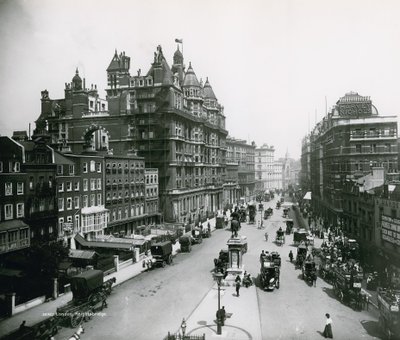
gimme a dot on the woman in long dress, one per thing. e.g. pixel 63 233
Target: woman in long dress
pixel 328 327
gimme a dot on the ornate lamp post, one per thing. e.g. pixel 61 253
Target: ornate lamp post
pixel 219 277
pixel 183 327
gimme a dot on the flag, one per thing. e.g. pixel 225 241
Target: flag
pixel 179 41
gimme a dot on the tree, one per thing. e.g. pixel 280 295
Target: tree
pixel 45 258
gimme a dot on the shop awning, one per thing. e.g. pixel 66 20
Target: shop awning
pixel 307 196
pixel 12 224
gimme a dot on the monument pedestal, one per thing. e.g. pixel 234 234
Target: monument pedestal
pixel 236 247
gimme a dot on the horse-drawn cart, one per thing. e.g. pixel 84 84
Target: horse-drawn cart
pixel 89 294
pixel 280 237
pixel 268 212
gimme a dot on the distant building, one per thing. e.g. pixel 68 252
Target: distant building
pixel 351 140
pixel 359 211
pixel 88 215
pixel 14 232
pixel 125 194
pixel 243 154
pixel 151 196
pixel 40 207
pixel 264 159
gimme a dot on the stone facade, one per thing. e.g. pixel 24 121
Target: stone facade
pixel 244 155
pixel 173 120
pixel 351 140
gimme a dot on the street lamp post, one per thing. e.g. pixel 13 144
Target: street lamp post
pixel 219 277
pixel 183 327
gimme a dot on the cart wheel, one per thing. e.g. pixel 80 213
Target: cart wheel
pixel 76 319
pixel 277 285
pixel 163 264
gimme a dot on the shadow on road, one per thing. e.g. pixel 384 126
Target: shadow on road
pixel 372 328
pixel 330 292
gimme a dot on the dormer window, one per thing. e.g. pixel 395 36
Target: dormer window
pixel 141 83
pixel 149 82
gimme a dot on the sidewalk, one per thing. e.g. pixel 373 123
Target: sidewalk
pixel 38 313
pixel 243 320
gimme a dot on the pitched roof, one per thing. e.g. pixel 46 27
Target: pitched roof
pixel 190 77
pixel 167 73
pixel 208 91
pixel 114 65
pixel 60 159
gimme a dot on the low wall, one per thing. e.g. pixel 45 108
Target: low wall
pixel 29 304
pixel 125 264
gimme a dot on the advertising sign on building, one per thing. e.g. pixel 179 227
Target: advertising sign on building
pixel 390 229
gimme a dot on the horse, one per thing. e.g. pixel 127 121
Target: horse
pixel 77 334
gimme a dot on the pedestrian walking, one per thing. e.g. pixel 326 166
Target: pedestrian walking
pixel 291 256
pixel 237 287
pixel 223 315
pixel 315 279
pixel 328 327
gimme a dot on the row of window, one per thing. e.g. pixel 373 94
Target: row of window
pixel 126 165
pixel 9 211
pixel 95 184
pixel 92 166
pixel 117 214
pixel 150 179
pixel 13 236
pixel 119 195
pixel 12 167
pixel 73 202
pixel 8 188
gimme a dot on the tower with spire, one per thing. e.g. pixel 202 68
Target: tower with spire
pixel 193 92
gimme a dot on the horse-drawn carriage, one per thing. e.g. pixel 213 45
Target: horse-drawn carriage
pixel 300 236
pixel 327 268
pixel 44 329
pixel 197 235
pixel 221 263
pixel 252 212
pixel 278 205
pixel 301 255
pixel 89 293
pixel 242 214
pixel 280 237
pixel 268 212
pixel 289 226
pixel 309 271
pixel 186 243
pixel 347 286
pixel 285 212
pixel 269 277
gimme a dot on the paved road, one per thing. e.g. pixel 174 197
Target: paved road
pixel 153 303
pixel 297 310
pixel 150 305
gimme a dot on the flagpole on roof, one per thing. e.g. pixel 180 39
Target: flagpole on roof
pixel 180 41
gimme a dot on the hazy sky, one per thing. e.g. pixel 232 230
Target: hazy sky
pixel 270 63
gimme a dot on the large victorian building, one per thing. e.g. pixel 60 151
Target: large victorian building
pixel 244 155
pixel 264 159
pixel 167 115
pixel 351 140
